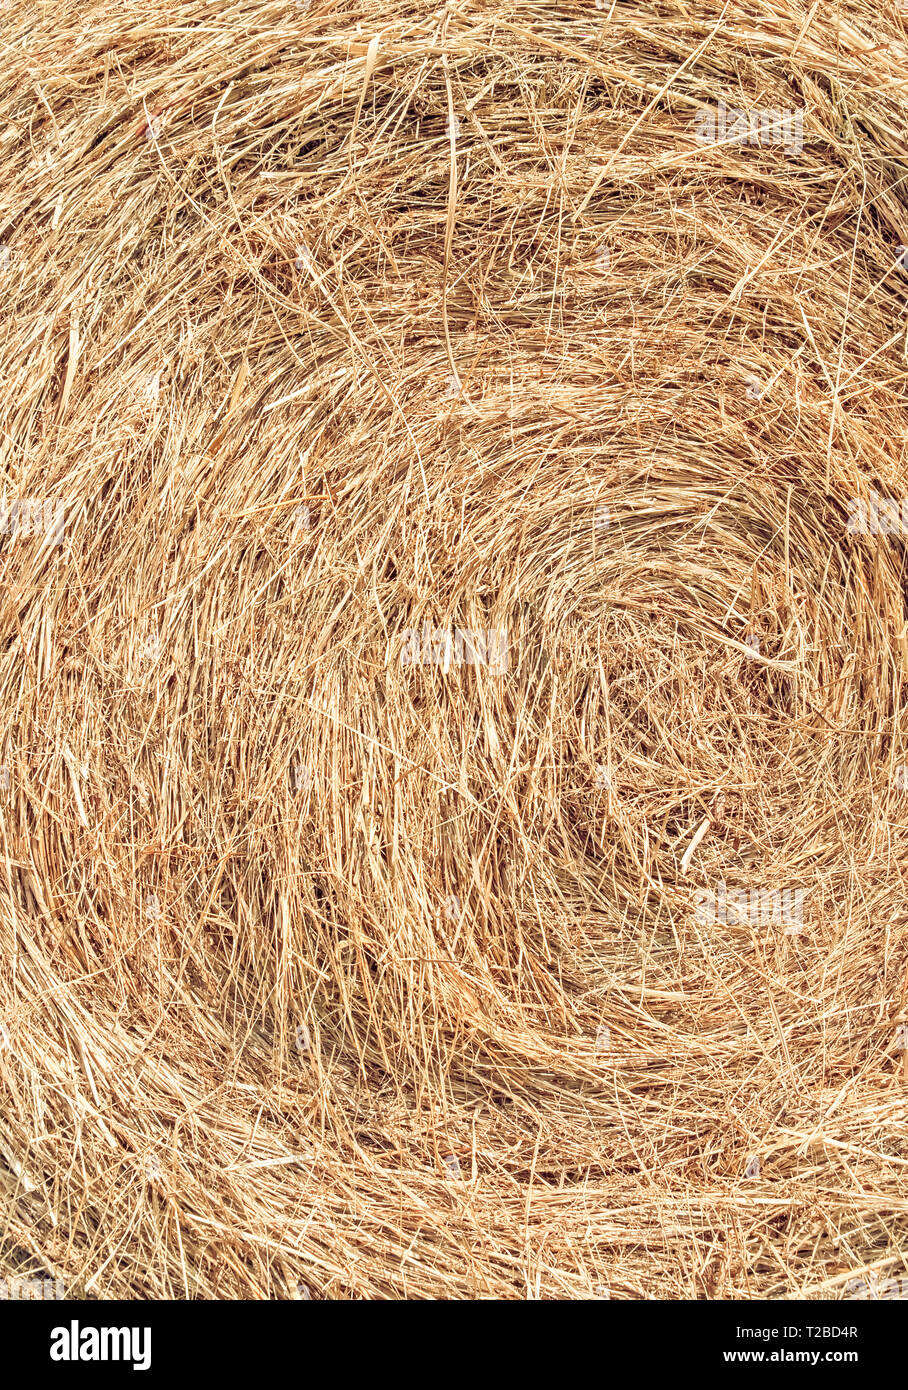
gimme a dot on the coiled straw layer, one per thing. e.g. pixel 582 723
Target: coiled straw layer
pixel 465 620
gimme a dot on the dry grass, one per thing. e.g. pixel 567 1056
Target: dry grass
pixel 244 1035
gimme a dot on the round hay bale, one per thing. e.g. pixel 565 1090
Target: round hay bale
pixel 454 786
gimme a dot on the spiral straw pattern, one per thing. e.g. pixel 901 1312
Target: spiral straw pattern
pixel 454 803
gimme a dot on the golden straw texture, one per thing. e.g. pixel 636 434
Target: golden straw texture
pixel 454 802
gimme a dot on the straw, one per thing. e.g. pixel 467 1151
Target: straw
pixel 331 971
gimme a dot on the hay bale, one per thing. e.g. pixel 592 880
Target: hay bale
pixel 453 791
